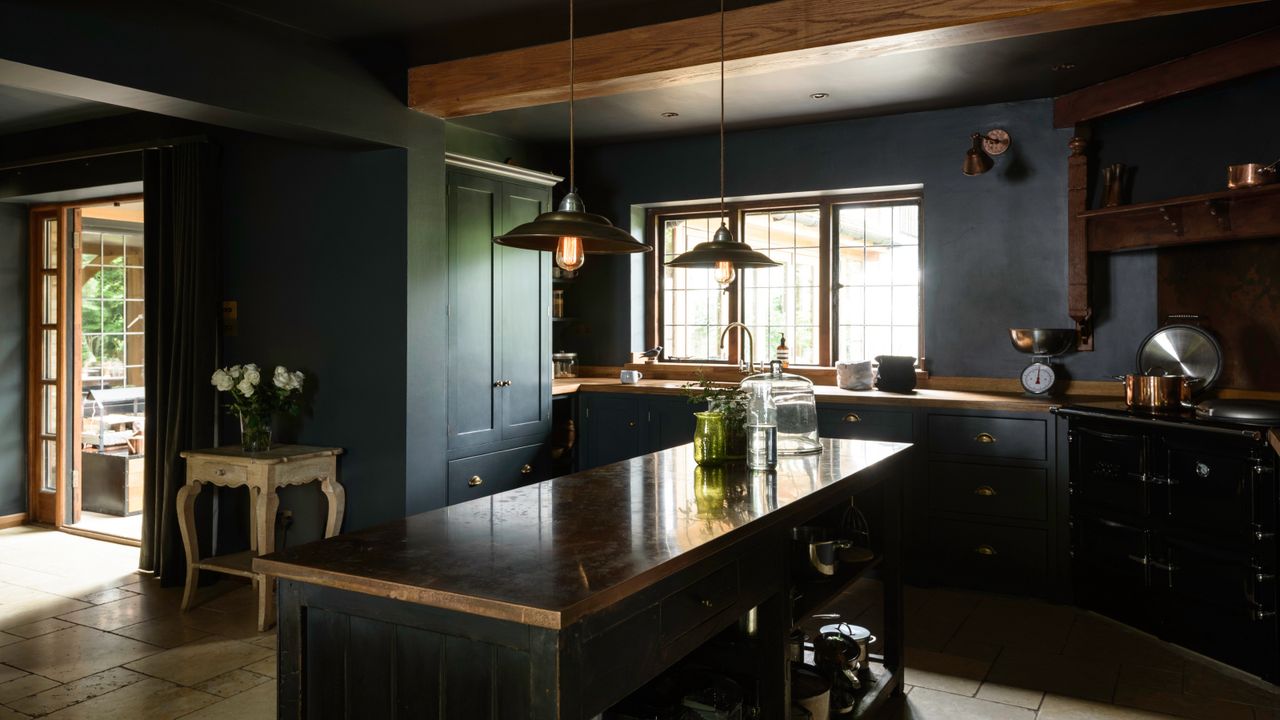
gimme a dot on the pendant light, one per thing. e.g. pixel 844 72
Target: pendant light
pixel 722 253
pixel 570 231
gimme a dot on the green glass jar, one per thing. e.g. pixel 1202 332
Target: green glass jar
pixel 709 438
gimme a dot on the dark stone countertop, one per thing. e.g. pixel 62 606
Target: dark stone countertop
pixel 549 553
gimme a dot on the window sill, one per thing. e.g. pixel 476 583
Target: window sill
pixel 725 372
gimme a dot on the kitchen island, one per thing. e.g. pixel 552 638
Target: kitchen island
pixel 558 599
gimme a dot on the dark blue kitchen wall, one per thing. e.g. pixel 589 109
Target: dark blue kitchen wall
pixel 13 359
pixel 497 148
pixel 315 256
pixel 994 245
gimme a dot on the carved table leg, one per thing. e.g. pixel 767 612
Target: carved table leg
pixel 190 542
pixel 265 507
pixel 337 497
pixel 253 520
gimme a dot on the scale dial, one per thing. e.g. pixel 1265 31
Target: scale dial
pixel 1038 378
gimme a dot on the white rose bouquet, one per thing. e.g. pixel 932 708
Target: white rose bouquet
pixel 255 401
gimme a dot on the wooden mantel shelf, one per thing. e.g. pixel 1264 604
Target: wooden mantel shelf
pixel 1244 214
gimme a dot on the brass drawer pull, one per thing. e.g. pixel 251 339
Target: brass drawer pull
pixel 631 423
pixel 475 481
pixel 985 550
pixel 706 603
pixel 985 491
pixel 985 438
pixel 526 469
pixel 852 418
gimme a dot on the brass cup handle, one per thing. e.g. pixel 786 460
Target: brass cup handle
pixel 475 481
pixel 526 469
pixel 852 418
pixel 985 491
pixel 985 438
pixel 985 550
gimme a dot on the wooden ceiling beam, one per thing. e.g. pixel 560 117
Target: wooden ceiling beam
pixel 1242 57
pixel 760 38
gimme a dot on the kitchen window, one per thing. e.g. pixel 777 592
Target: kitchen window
pixel 848 287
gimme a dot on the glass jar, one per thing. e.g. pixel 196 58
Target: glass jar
pixel 564 364
pixel 797 411
pixel 709 438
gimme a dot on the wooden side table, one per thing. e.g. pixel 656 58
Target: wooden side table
pixel 263 473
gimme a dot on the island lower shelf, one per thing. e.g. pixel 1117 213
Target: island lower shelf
pixel 701 550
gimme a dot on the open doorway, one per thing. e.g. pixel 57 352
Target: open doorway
pixel 89 396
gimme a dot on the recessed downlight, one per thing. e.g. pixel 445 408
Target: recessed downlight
pixel 1062 67
pixel 819 95
pixel 669 114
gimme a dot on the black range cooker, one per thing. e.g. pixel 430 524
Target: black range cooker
pixel 1173 526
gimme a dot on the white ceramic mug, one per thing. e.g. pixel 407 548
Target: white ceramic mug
pixel 630 377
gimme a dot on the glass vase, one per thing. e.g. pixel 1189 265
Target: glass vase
pixel 255 432
pixel 709 442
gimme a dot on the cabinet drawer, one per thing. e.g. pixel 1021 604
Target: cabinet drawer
pixel 990 557
pixel 1011 492
pixel 483 475
pixel 219 473
pixel 694 604
pixel 1015 438
pixel 862 424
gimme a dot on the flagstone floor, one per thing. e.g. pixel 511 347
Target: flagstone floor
pixel 84 636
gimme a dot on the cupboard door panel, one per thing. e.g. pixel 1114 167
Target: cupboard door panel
pixel 473 358
pixel 613 429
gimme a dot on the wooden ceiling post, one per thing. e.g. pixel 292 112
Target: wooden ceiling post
pixel 1078 241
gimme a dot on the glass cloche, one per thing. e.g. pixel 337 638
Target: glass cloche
pixel 797 411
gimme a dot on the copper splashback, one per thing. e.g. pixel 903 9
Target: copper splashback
pixel 1235 286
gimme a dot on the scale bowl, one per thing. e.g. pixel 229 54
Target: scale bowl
pixel 1042 341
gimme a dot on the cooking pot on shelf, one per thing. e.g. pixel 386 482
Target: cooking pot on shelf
pixel 1157 393
pixel 1175 363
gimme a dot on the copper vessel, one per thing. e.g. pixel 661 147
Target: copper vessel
pixel 1250 175
pixel 1157 393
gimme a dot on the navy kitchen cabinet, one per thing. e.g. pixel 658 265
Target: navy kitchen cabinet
pixel 620 426
pixel 499 344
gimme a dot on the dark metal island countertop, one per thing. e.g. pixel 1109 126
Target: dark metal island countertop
pixel 636 562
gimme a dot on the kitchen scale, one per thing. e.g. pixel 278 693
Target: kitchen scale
pixel 1044 376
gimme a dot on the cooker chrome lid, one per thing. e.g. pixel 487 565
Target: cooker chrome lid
pixel 1182 350
pixel 1249 412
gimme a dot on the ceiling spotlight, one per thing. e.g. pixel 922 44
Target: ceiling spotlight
pixel 669 114
pixel 978 159
pixel 819 95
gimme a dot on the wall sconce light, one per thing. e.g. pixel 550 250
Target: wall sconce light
pixel 978 159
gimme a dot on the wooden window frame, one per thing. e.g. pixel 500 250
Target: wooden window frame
pixel 735 212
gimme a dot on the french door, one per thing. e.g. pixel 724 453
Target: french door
pixel 47 415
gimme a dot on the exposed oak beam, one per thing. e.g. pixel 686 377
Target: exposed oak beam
pixel 1208 67
pixel 761 38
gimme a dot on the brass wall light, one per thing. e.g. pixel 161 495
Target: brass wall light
pixel 722 252
pixel 570 231
pixel 978 159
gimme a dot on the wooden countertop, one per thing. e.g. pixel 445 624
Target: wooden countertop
pixel 833 395
pixel 549 553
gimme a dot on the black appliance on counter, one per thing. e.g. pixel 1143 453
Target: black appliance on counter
pixel 1173 529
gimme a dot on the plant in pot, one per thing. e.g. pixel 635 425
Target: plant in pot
pixel 256 403
pixel 726 414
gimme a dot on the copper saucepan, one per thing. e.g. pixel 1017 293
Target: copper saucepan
pixel 1248 175
pixel 1157 393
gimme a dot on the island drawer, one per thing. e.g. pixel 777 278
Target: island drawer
pixel 981 436
pixel 694 604
pixel 990 557
pixel 858 423
pixel 484 475
pixel 1000 491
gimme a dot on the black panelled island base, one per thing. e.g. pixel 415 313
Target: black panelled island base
pixel 559 599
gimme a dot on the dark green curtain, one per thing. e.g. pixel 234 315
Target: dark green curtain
pixel 182 291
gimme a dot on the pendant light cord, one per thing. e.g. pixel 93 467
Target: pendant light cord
pixel 573 186
pixel 722 221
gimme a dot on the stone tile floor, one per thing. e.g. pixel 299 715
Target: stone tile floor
pixel 83 635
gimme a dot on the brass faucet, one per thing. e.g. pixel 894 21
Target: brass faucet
pixel 749 364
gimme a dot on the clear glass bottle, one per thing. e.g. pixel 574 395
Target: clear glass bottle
pixel 762 428
pixel 797 412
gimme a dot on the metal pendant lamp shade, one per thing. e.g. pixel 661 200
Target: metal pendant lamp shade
pixel 722 251
pixel 722 248
pixel 570 231
pixel 598 235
